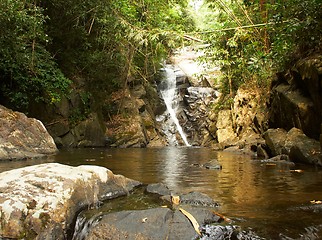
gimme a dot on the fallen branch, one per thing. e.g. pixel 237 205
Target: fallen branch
pixel 193 221
pixel 222 216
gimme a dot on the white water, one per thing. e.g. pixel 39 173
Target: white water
pixel 170 96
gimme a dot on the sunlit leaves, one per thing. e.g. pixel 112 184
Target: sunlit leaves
pixel 276 32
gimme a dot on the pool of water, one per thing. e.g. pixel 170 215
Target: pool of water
pixel 263 197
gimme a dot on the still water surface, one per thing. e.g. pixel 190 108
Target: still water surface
pixel 263 197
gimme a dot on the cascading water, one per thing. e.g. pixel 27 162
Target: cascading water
pixel 170 96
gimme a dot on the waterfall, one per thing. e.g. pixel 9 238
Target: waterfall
pixel 83 224
pixel 171 99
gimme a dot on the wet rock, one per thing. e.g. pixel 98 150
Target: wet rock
pixel 262 151
pixel 311 233
pixel 282 157
pixel 158 188
pixel 226 232
pixel 43 200
pixel 279 159
pixel 212 166
pixel 293 136
pixel 134 124
pixel 22 137
pixel 315 208
pixel 209 165
pixel 296 97
pixel 248 143
pixel 157 223
pixel 198 199
pixel 89 133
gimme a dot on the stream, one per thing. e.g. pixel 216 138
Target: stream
pixel 271 200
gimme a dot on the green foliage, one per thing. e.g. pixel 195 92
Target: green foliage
pixel 82 111
pixel 251 40
pixel 297 31
pixel 110 41
pixel 104 43
pixel 27 70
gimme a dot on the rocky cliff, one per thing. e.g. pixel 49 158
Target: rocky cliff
pixel 296 99
pixel 133 123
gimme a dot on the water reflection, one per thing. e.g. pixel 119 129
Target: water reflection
pixel 254 194
pixel 172 168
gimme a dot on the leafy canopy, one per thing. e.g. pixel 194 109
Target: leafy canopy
pixel 49 46
pixel 251 40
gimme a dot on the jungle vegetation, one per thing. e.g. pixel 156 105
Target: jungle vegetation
pixel 47 47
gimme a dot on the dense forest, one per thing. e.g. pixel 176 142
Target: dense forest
pixel 49 47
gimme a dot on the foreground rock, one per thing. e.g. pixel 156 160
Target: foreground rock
pixel 167 222
pixel 23 137
pixel 156 223
pixel 41 202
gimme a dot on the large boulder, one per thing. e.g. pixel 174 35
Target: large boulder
pixel 156 223
pixel 42 201
pixel 294 143
pixel 275 140
pixel 23 137
pixel 303 149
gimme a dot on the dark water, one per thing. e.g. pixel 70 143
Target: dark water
pixel 265 198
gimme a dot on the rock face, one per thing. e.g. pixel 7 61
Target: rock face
pixel 71 122
pixel 41 201
pixel 192 105
pixel 23 137
pixel 87 133
pixel 225 131
pixel 241 125
pixel 198 101
pixel 296 99
pixel 134 124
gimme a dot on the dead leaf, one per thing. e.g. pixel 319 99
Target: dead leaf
pixel 193 221
pixel 316 202
pixel 175 200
